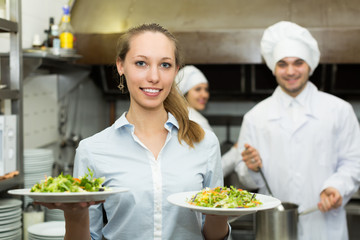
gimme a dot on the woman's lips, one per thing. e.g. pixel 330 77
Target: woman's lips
pixel 151 91
pixel 203 102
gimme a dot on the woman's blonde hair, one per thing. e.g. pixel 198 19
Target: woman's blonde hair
pixel 175 103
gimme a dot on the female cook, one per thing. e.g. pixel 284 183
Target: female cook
pixel 195 87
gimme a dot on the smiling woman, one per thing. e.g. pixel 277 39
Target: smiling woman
pixel 153 149
pixel 149 76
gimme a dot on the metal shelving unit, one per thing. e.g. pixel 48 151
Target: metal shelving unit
pixel 13 92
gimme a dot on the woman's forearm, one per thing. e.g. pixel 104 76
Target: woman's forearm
pixel 77 225
pixel 215 227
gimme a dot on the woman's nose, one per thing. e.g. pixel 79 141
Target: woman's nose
pixel 154 74
pixel 205 94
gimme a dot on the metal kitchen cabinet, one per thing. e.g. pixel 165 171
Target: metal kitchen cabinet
pixel 11 90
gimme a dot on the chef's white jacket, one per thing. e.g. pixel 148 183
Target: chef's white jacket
pixel 199 119
pixel 302 158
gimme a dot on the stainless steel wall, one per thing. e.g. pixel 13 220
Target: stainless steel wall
pixel 213 31
pixel 111 16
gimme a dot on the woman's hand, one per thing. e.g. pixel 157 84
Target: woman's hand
pixel 70 208
pixel 251 157
pixel 215 227
pixel 77 222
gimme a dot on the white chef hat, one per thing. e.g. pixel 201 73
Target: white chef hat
pixel 287 39
pixel 188 77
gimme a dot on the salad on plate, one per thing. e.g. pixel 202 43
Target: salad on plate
pixel 224 197
pixel 68 189
pixel 67 183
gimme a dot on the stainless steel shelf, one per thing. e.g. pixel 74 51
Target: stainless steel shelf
pixel 13 92
pixel 9 94
pixel 63 54
pixel 8 26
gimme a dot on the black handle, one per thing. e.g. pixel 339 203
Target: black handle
pixel 266 184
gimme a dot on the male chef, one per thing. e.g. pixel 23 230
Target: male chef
pixel 306 142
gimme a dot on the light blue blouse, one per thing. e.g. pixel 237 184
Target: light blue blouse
pixel 144 212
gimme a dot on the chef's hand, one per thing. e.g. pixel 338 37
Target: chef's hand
pixel 251 157
pixel 330 198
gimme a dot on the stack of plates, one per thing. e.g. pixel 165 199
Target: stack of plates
pixel 47 231
pixel 54 215
pixel 38 163
pixel 10 219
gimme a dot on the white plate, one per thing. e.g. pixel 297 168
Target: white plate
pixel 10 234
pixel 67 196
pixel 9 209
pixel 180 199
pixel 9 203
pixel 13 214
pixel 10 213
pixel 16 235
pixel 10 226
pixel 10 220
pixel 48 229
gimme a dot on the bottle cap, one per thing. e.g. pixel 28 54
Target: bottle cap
pixel 66 9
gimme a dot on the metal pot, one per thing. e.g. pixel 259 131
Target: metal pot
pixel 280 225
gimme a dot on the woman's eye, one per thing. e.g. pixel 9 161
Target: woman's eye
pixel 140 63
pixel 166 65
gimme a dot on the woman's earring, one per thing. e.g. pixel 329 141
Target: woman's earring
pixel 121 85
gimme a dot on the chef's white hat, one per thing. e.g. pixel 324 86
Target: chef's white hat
pixel 188 77
pixel 287 39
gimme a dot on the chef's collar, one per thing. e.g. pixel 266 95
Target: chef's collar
pixel 306 98
pixel 283 100
pixel 301 98
pixel 287 100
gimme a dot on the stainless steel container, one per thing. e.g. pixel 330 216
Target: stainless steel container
pixel 280 225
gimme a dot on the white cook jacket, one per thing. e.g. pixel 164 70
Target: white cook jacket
pixel 199 119
pixel 299 161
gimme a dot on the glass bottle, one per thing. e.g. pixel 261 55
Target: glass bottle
pixel 66 30
pixel 55 40
pixel 49 40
